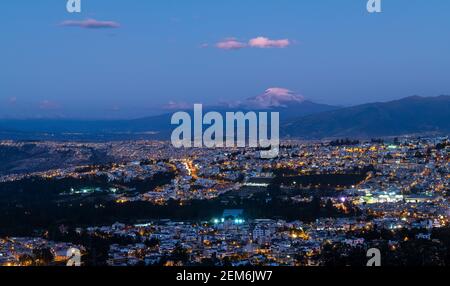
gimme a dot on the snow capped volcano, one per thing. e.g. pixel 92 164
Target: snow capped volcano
pixel 274 97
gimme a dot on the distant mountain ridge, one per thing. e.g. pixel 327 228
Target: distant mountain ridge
pixel 411 115
pixel 299 119
pixel 154 127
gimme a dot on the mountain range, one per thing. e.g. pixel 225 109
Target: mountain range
pixel 299 119
pixel 407 116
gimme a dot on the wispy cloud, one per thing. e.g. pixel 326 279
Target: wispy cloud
pixel 172 105
pixel 258 42
pixel 48 105
pixel 91 24
pixel 230 44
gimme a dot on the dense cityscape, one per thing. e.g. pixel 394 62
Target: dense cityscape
pixel 224 141
pixel 147 203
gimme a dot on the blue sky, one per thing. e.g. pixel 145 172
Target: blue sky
pixel 150 53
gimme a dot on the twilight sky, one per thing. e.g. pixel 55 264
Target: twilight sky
pixel 127 59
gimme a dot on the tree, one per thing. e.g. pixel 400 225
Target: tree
pixel 153 242
pixel 43 256
pixel 180 254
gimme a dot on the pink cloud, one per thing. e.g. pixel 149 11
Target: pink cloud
pixel 258 42
pixel 263 42
pixel 230 44
pixel 91 24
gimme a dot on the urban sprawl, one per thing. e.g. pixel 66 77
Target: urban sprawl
pixel 387 194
